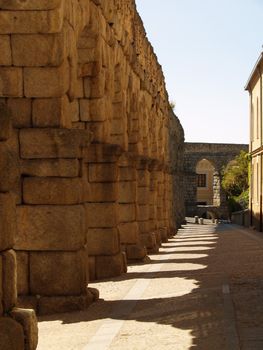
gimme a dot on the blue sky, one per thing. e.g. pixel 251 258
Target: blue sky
pixel 207 49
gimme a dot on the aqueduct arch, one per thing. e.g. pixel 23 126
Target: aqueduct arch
pixel 90 156
pixel 218 155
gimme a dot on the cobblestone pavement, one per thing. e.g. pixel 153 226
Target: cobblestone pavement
pixel 204 290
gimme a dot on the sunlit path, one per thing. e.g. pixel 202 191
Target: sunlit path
pixel 193 295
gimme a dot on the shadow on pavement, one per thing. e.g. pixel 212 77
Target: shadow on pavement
pixel 198 310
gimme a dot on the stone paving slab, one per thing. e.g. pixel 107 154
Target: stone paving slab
pixel 203 291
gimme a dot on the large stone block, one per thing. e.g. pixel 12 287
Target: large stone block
pixel 127 192
pixel 9 280
pixel 52 143
pixel 32 50
pixel 58 273
pixel 7 221
pixel 103 192
pixel 129 232
pixel 104 172
pixel 20 109
pixel 5 49
pixel 101 215
pixel 51 112
pixel 50 167
pixel 31 21
pixel 54 79
pixel 103 241
pixel 109 266
pixel 50 228
pixel 11 335
pixel 11 80
pixel 28 320
pixel 127 212
pixel 22 273
pixel 52 190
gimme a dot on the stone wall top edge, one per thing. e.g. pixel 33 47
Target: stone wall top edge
pixel 213 147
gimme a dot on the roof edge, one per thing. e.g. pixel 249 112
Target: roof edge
pixel 254 70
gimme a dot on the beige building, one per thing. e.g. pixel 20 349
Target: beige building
pixel 254 87
pixel 205 173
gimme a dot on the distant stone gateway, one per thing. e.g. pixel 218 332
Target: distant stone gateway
pixel 203 164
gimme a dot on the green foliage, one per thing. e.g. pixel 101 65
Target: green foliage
pixel 233 205
pixel 236 203
pixel 236 182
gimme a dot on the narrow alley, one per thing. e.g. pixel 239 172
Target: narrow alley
pixel 204 290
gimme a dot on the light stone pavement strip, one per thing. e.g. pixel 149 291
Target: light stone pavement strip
pixel 107 332
pixel 204 290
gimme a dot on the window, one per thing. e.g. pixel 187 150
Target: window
pixel 201 180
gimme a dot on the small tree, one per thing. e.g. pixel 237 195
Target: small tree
pixel 236 182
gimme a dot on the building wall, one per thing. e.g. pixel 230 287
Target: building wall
pixel 254 88
pixel 205 194
pixel 98 149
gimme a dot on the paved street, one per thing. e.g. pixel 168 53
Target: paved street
pixel 204 290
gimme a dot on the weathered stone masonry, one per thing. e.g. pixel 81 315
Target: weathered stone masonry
pixel 18 327
pixel 99 151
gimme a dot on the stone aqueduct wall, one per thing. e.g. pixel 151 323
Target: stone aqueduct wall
pixel 91 172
